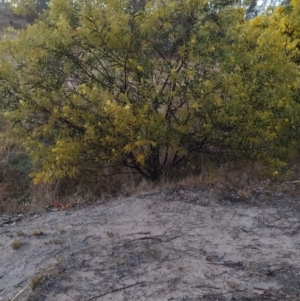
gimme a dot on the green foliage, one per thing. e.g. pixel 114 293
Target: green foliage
pixel 28 8
pixel 279 32
pixel 92 84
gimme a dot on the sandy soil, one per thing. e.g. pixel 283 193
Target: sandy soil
pixel 185 245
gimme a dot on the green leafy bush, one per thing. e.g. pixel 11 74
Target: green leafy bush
pixel 97 83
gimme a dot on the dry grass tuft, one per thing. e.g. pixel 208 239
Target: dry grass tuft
pixel 241 178
pixel 14 175
pixel 16 245
pixel 35 281
pixel 62 231
pixel 37 233
pixel 17 194
pixel 54 241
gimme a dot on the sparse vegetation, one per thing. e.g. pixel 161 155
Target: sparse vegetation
pixel 16 245
pixel 62 231
pixel 54 241
pixel 37 233
pixel 35 281
pixel 109 234
pixel 21 233
pixel 167 108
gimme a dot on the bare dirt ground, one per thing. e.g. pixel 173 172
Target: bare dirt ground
pixel 183 245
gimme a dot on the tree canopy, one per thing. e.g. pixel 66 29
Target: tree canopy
pixel 146 84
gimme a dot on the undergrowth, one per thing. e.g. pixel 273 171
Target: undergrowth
pixel 19 195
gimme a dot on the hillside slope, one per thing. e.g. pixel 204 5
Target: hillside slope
pixel 7 18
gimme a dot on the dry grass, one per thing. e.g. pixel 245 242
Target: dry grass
pixel 14 180
pixel 17 194
pixel 35 281
pixel 240 179
pixel 54 241
pixel 210 175
pixel 37 233
pixel 16 245
pixel 62 231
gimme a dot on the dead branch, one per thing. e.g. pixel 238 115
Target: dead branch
pixel 116 290
pixel 225 293
pixel 145 238
pixel 20 293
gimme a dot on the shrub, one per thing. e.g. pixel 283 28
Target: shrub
pixel 90 85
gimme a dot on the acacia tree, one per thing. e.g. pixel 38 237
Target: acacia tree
pixel 279 32
pixel 95 83
pixel 28 8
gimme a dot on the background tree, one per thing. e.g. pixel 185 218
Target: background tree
pixel 279 31
pixel 91 85
pixel 29 8
pixel 255 7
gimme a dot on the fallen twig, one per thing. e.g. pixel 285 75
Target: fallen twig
pixel 116 290
pixel 229 264
pixel 177 236
pixel 137 233
pixel 276 220
pixel 225 293
pixel 144 238
pixel 272 272
pixel 293 181
pixel 20 293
